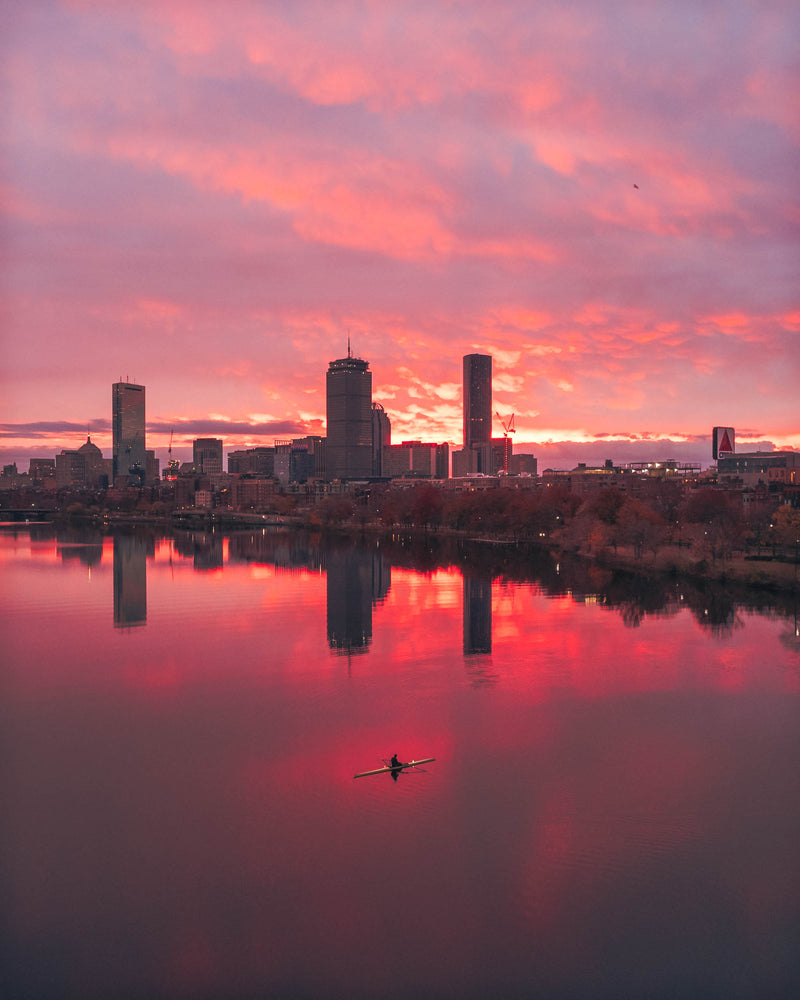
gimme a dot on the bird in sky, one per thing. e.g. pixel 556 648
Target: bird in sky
pixel 636 186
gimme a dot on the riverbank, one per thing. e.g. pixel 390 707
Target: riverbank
pixel 763 572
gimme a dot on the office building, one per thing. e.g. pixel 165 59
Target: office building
pixel 128 432
pixel 753 467
pixel 349 419
pixel 207 456
pixel 416 459
pixel 381 438
pixel 477 399
pixel 252 462
pixel 477 456
pixel 70 469
pixel 42 470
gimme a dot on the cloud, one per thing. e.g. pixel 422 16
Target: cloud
pixel 218 196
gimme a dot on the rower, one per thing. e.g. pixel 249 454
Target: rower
pixel 394 762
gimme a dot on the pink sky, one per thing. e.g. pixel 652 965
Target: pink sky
pixel 210 197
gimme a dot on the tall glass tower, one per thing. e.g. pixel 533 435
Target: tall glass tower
pixel 127 427
pixel 477 399
pixel 349 419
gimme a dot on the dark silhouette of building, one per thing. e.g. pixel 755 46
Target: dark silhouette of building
pixel 128 435
pixel 381 438
pixel 477 399
pixel 477 455
pixel 349 419
pixel 252 462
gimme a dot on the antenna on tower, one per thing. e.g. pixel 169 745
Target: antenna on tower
pixel 348 346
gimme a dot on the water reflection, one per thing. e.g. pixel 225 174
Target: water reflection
pixel 477 615
pixel 130 580
pixel 357 579
pixel 615 817
pixel 84 546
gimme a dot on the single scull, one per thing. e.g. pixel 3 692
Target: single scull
pixel 389 769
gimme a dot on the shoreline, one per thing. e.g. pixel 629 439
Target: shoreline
pixel 763 572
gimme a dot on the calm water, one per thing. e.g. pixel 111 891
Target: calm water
pixel 613 810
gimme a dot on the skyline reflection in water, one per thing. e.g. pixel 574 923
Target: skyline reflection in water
pixel 612 811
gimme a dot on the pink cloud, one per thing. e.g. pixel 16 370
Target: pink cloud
pixel 233 194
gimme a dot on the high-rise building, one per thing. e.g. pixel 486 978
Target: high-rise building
pixel 207 456
pixel 349 418
pixel 381 438
pixel 477 399
pixel 477 455
pixel 127 426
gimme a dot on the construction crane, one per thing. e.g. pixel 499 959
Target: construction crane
pixel 172 465
pixel 508 428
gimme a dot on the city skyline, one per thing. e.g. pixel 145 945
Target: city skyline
pixel 603 201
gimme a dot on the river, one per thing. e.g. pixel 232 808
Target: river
pixel 612 811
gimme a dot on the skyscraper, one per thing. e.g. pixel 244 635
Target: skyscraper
pixel 477 399
pixel 127 425
pixel 476 456
pixel 381 438
pixel 349 418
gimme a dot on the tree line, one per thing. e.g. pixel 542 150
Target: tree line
pixel 714 523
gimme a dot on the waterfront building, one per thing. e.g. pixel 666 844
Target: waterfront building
pixel 207 456
pixel 349 419
pixel 128 432
pixel 252 494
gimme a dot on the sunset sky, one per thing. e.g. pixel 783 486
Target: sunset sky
pixel 210 197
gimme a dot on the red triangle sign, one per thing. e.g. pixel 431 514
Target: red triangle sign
pixel 725 443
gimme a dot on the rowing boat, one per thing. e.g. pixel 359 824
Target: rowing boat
pixel 389 769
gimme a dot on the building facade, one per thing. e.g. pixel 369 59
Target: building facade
pixel 252 462
pixel 416 459
pixel 477 400
pixel 761 466
pixel 381 438
pixel 207 456
pixel 128 432
pixel 349 419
